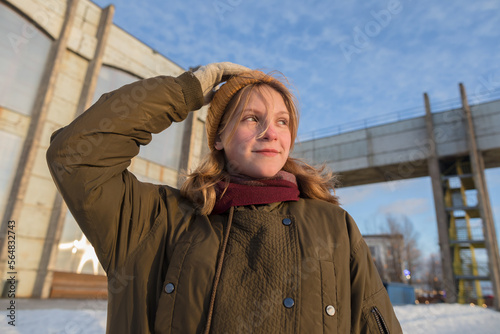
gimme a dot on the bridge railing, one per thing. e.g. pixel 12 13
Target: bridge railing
pixel 437 106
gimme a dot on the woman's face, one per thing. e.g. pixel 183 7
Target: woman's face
pixel 261 141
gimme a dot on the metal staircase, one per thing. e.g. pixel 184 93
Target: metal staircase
pixel 466 235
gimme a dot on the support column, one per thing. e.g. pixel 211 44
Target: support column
pixel 441 214
pixel 483 200
pixel 95 64
pixel 44 277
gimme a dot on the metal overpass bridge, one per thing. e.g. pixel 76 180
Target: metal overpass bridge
pixel 453 147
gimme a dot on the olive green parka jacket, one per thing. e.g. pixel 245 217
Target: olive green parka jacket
pixel 307 267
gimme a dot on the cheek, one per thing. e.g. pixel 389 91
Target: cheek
pixel 237 156
pixel 287 142
pixel 236 147
pixel 241 141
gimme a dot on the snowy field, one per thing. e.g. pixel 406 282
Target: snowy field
pixel 78 317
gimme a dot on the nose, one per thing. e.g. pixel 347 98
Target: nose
pixel 270 133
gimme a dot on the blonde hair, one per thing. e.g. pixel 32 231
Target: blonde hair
pixel 313 182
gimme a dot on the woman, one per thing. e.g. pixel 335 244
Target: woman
pixel 253 242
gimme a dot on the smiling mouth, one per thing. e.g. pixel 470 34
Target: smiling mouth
pixel 267 153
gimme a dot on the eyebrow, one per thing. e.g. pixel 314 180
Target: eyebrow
pixel 251 110
pixel 259 110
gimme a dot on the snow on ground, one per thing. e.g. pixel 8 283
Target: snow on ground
pixel 89 316
pixel 447 319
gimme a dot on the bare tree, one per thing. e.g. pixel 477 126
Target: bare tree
pixel 434 273
pixel 410 252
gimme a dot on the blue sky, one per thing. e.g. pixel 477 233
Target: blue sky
pixel 348 61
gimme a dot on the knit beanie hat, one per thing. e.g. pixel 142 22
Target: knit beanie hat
pixel 224 95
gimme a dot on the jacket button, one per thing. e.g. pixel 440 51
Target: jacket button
pixel 330 310
pixel 287 221
pixel 169 288
pixel 288 302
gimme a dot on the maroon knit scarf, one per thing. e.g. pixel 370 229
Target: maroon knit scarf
pixel 245 191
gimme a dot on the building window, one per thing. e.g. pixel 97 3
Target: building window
pixel 24 50
pixel 165 148
pixel 110 79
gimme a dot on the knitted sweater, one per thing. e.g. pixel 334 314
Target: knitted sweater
pixel 261 262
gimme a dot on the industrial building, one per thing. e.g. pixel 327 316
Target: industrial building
pixel 58 58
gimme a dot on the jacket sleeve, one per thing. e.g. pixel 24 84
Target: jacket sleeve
pixel 371 309
pixel 88 160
